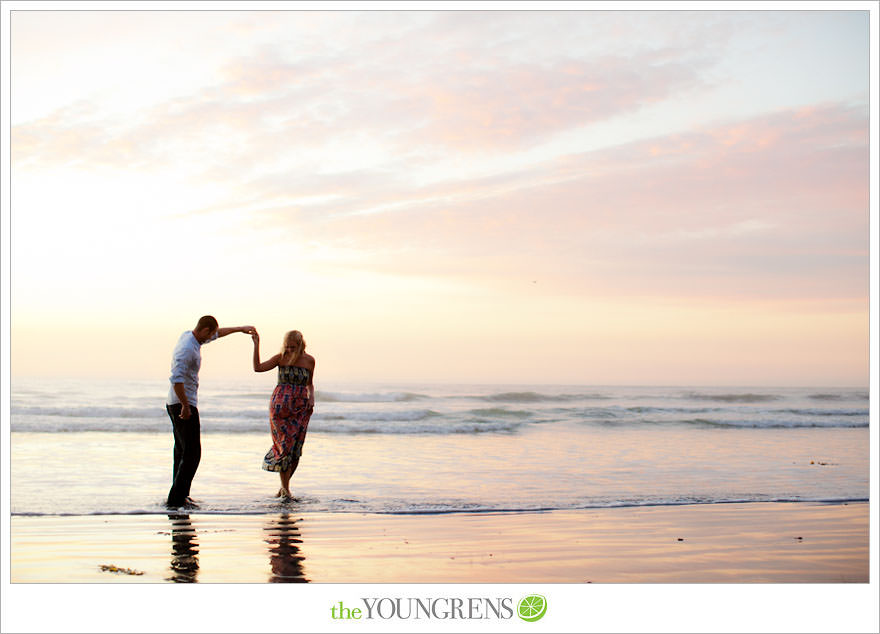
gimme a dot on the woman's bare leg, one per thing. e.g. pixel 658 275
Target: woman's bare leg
pixel 285 483
pixel 285 479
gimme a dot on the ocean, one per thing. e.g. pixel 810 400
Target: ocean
pixel 105 447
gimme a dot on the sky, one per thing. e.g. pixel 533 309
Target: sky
pixel 582 197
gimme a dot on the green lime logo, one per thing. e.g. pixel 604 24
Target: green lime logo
pixel 532 608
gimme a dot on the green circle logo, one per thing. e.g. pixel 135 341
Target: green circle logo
pixel 532 608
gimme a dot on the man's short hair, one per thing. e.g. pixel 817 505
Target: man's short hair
pixel 207 322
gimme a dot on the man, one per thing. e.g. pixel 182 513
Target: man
pixel 182 405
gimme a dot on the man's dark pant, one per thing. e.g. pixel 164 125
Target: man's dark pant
pixel 187 453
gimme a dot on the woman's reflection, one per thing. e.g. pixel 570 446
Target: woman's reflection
pixel 282 535
pixel 184 550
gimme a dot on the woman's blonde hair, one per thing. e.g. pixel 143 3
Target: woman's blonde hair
pixel 295 345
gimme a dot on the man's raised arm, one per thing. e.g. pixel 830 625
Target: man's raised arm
pixel 222 332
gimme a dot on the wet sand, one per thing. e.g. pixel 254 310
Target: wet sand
pixel 719 543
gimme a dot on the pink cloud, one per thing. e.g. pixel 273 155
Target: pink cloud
pixel 508 107
pixel 787 218
pixel 274 105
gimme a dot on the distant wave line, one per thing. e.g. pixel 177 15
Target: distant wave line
pixel 536 397
pixel 722 424
pixel 379 397
pixel 394 428
pixel 732 398
pixel 406 426
pixel 839 397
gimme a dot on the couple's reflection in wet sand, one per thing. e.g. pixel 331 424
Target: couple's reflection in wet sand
pixel 280 533
pixel 184 550
pixel 283 538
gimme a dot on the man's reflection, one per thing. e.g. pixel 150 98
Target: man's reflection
pixel 282 535
pixel 184 550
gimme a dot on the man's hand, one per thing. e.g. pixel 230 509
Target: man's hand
pixel 184 403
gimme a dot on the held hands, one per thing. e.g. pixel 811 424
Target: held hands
pixel 255 336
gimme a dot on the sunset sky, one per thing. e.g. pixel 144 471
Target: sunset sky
pixel 589 197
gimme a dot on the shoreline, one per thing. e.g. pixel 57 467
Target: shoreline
pixel 730 542
pixel 441 512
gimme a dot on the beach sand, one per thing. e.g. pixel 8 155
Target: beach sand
pixel 719 543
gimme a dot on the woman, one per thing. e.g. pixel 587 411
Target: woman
pixel 291 407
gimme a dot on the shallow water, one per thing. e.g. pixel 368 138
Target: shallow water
pixel 82 448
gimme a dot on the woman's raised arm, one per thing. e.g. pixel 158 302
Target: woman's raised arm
pixel 266 365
